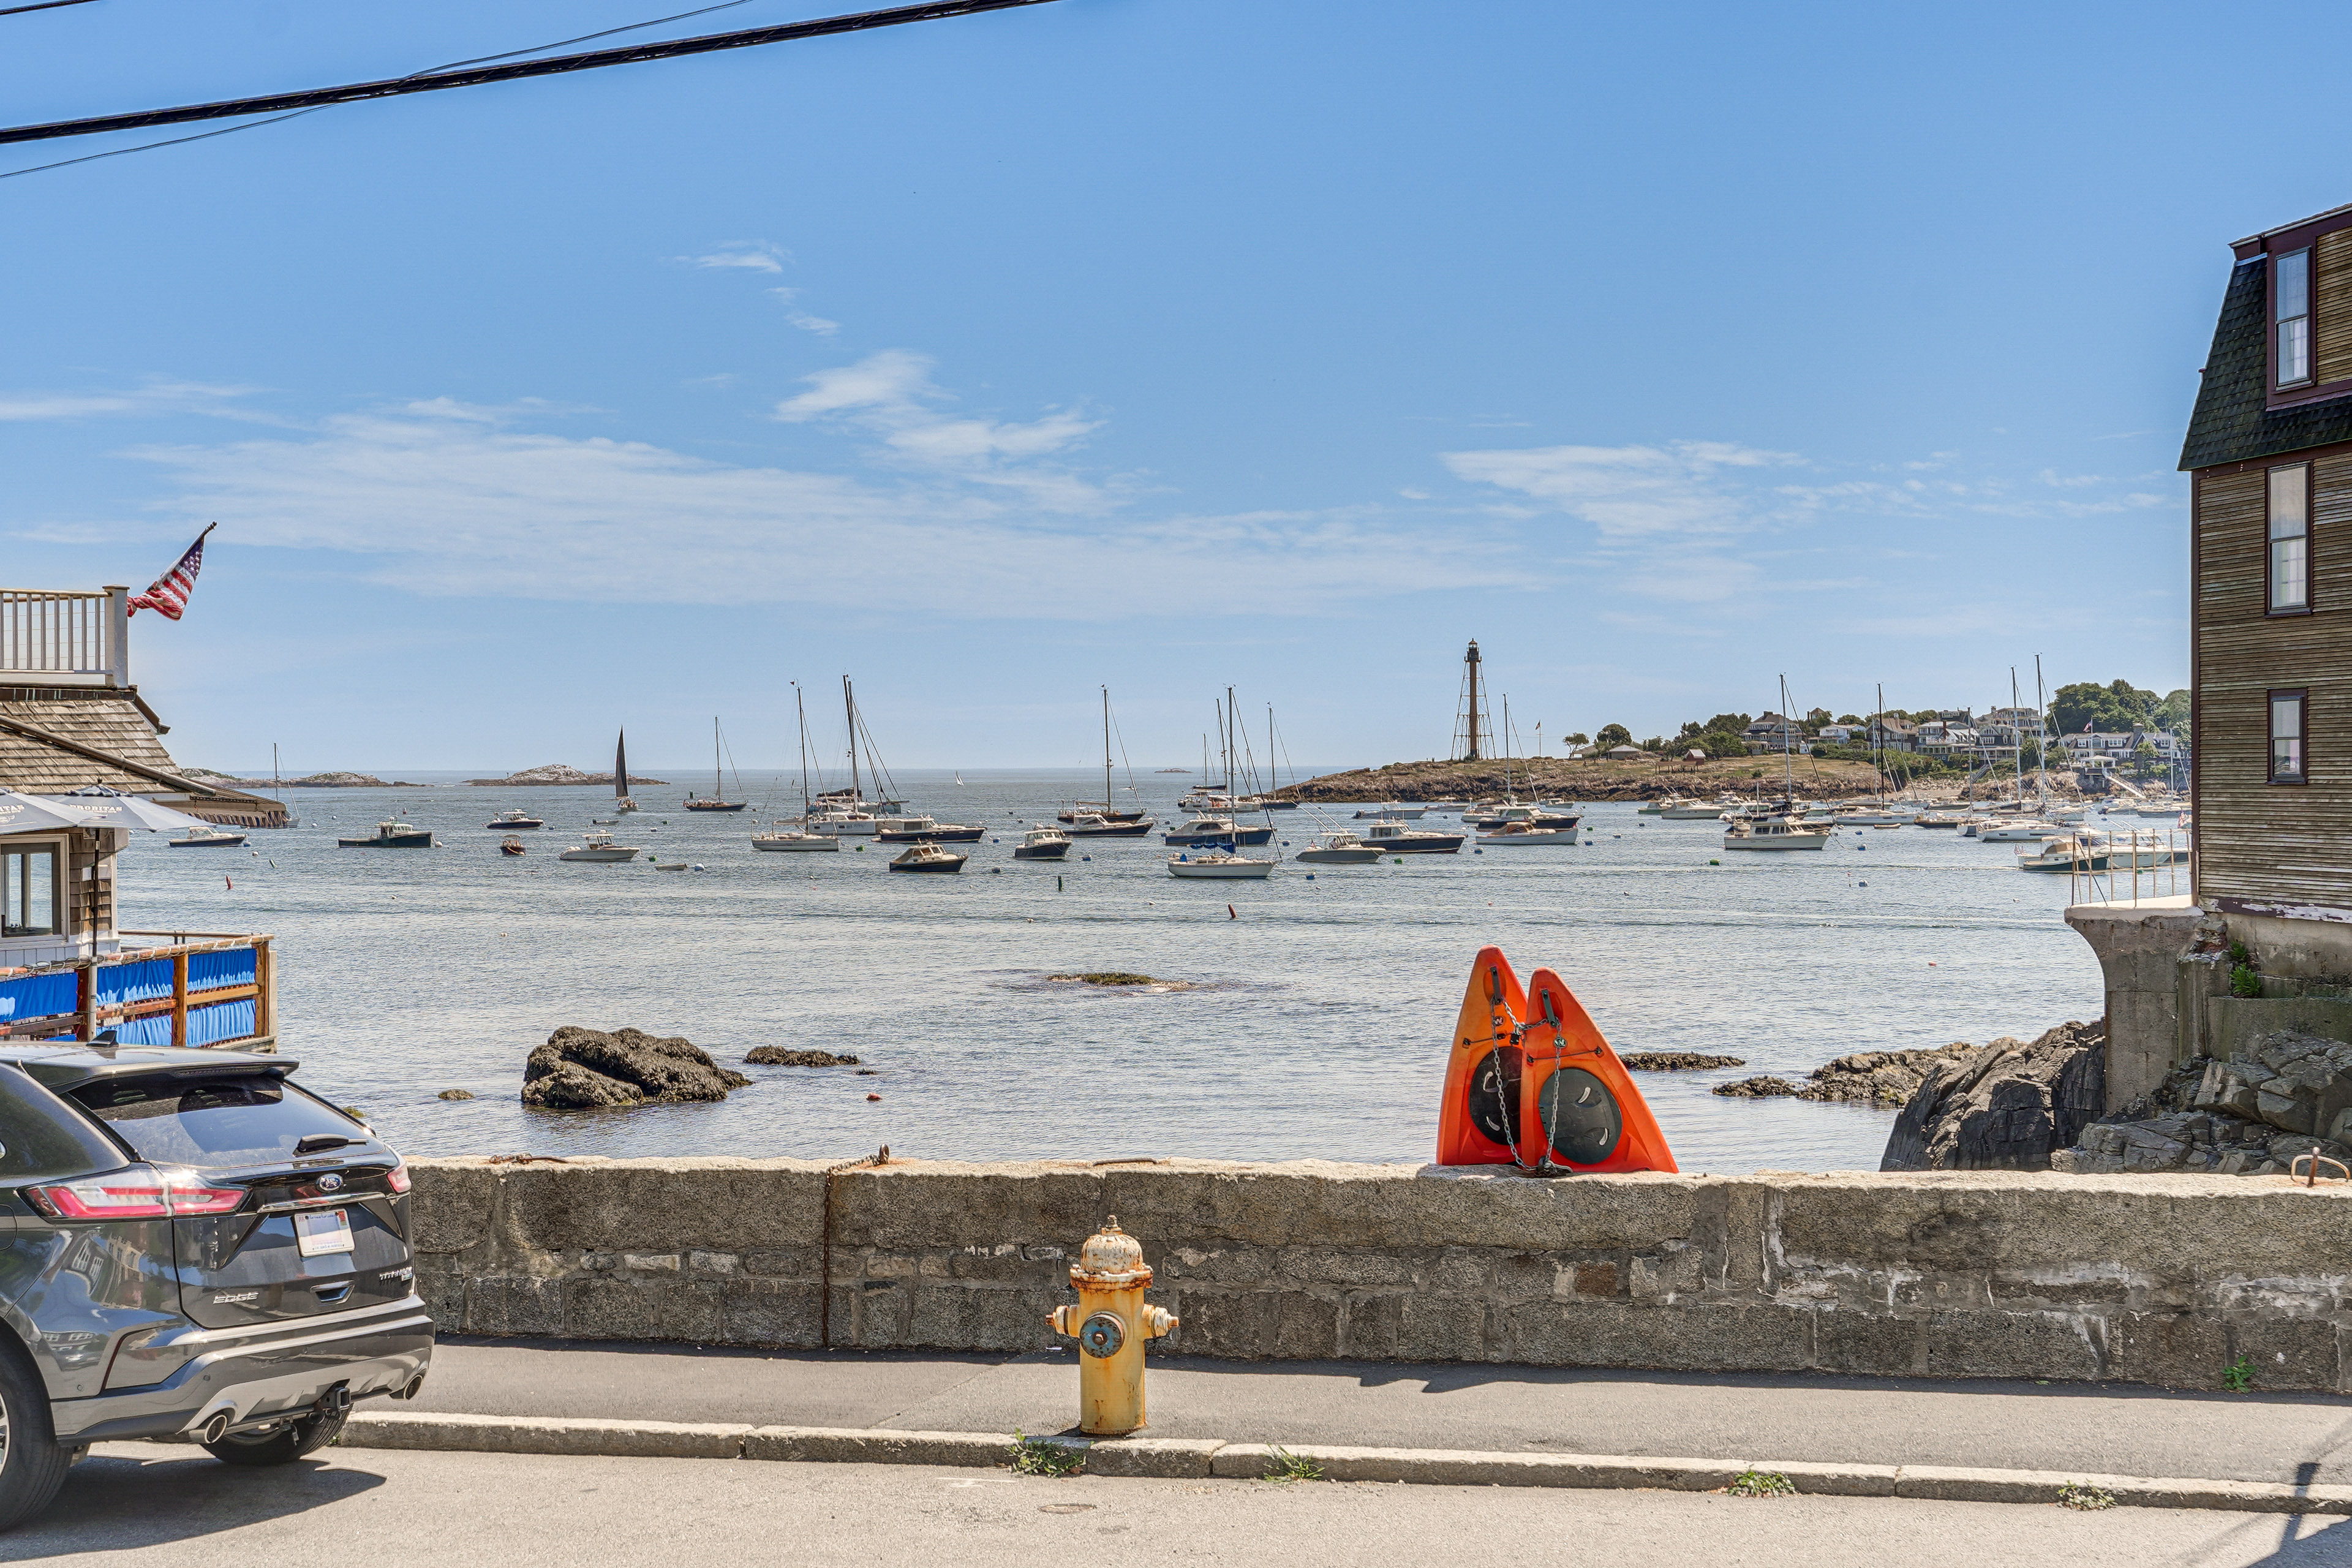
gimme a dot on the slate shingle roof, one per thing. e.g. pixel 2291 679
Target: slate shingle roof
pixel 2230 424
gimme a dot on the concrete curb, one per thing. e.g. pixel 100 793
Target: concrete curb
pixel 1173 1458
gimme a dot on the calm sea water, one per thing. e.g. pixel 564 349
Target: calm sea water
pixel 1316 1023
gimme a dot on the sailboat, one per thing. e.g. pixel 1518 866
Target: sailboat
pixel 1085 822
pixel 1107 808
pixel 1221 863
pixel 714 802
pixel 800 839
pixel 621 801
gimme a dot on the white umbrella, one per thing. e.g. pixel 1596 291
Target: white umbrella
pixel 102 807
pixel 29 813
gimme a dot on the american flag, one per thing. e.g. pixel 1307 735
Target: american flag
pixel 168 595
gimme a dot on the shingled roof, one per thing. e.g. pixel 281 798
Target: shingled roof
pixel 2230 424
pixel 110 725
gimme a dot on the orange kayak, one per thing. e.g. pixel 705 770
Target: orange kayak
pixel 1531 1081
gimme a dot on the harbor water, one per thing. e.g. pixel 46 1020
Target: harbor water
pixel 1312 1020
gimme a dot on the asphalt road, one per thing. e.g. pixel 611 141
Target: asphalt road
pixel 148 1504
pixel 2110 1429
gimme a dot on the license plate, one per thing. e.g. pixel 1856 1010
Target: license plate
pixel 318 1233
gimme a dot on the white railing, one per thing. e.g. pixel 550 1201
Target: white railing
pixel 71 639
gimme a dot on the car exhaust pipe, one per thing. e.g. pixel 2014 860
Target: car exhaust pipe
pixel 214 1430
pixel 414 1384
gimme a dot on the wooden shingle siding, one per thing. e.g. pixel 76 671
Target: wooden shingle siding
pixel 2332 296
pixel 2256 840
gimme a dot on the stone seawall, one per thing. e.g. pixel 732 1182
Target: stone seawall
pixel 2161 1279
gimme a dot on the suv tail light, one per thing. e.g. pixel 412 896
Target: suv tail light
pixel 133 1193
pixel 397 1177
pixel 139 1193
pixel 188 1192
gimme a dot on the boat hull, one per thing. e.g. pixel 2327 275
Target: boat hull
pixel 1238 836
pixel 390 841
pixel 516 825
pixel 226 841
pixel 1222 870
pixel 1421 844
pixel 1540 837
pixel 1362 857
pixel 1040 851
pixel 1114 816
pixel 945 833
pixel 812 843
pixel 947 866
pixel 1775 841
pixel 600 856
pixel 717 804
pixel 1113 830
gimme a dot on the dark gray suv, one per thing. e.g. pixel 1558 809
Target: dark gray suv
pixel 190 1245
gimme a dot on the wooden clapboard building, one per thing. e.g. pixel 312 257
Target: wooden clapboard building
pixel 71 966
pixel 2270 455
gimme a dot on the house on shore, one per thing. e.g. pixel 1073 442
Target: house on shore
pixel 2269 456
pixel 74 733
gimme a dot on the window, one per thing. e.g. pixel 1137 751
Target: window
pixel 2291 310
pixel 28 892
pixel 218 1123
pixel 2288 710
pixel 2290 538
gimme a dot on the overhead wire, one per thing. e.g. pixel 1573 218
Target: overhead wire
pixel 44 6
pixel 476 73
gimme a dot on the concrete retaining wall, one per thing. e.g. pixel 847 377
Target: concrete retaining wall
pixel 2164 1280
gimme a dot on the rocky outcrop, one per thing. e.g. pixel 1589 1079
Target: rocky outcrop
pixel 1872 1078
pixel 1763 1086
pixel 558 774
pixel 1677 1061
pixel 2286 1094
pixel 2004 1106
pixel 587 1070
pixel 778 1056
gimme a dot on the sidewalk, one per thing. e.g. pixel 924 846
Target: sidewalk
pixel 2112 1429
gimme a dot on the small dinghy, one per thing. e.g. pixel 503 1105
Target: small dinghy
pixel 1532 1083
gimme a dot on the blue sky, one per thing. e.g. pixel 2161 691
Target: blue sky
pixel 1166 344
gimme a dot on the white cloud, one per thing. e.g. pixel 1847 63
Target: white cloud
pixel 820 325
pixel 754 256
pixel 1628 492
pixel 432 499
pixel 157 396
pixel 890 394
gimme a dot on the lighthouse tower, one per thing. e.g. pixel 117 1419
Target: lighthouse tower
pixel 1471 727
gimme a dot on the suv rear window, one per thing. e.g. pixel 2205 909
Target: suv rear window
pixel 41 1136
pixel 221 1123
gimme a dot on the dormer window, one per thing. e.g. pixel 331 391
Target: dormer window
pixel 2291 315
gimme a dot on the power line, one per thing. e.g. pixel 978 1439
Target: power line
pixel 282 119
pixel 44 6
pixel 320 97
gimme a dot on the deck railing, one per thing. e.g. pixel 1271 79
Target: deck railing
pixel 199 988
pixel 69 638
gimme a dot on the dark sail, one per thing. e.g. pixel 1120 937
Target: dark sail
pixel 621 766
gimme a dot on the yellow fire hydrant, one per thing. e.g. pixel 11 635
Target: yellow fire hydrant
pixel 1110 1323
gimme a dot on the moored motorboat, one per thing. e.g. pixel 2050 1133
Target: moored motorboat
pixel 1215 865
pixel 204 836
pixel 514 822
pixel 1042 843
pixel 1092 825
pixel 1339 847
pixel 392 834
pixel 1214 830
pixel 1096 809
pixel 1776 833
pixel 915 829
pixel 599 848
pixel 1392 813
pixel 510 845
pixel 1403 839
pixel 2017 832
pixel 1521 835
pixel 1695 811
pixel 787 840
pixel 928 857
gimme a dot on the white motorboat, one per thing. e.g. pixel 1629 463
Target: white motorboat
pixel 841 823
pixel 788 841
pixel 1043 843
pixel 1403 839
pixel 1392 813
pixel 1693 810
pixel 1207 830
pixel 393 834
pixel 1216 865
pixel 514 822
pixel 599 847
pixel 1872 817
pixel 1094 824
pixel 2100 852
pixel 1776 833
pixel 929 857
pixel 1339 847
pixel 1656 807
pixel 1940 819
pixel 2017 832
pixel 916 829
pixel 204 836
pixel 1524 834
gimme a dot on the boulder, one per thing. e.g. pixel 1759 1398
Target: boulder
pixel 2285 1094
pixel 1765 1087
pixel 778 1056
pixel 2005 1106
pixel 587 1070
pixel 1677 1061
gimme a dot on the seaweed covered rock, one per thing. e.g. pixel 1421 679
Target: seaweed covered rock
pixel 2005 1106
pixel 1677 1061
pixel 780 1056
pixel 1764 1087
pixel 587 1070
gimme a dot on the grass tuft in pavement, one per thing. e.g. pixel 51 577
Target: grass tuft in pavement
pixel 1762 1483
pixel 1289 1467
pixel 2089 1499
pixel 1044 1456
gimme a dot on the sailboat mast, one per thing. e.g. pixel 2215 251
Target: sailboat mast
pixel 1788 767
pixel 2017 733
pixel 1106 800
pixel 2041 750
pixel 801 707
pixel 1232 748
pixel 850 707
pixel 1878 739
